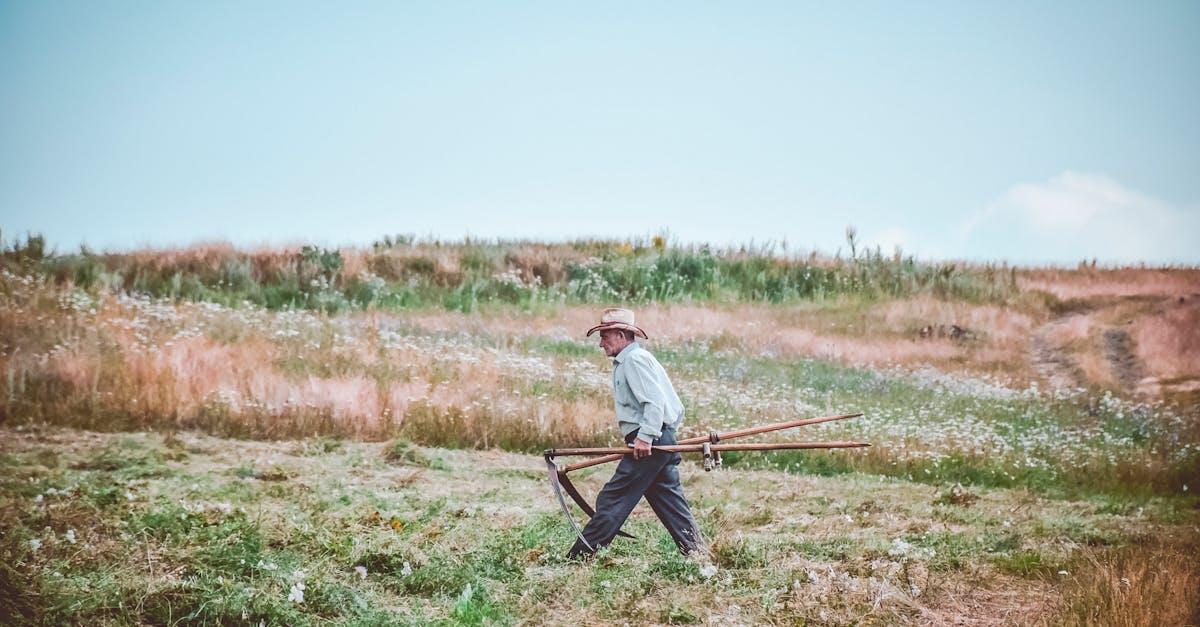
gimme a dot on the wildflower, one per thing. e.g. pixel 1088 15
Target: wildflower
pixel 35 544
pixel 362 571
pixel 70 535
pixel 406 570
pixel 708 570
pixel 899 548
pixel 296 595
pixel 39 498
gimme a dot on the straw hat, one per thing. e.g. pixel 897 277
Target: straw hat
pixel 617 318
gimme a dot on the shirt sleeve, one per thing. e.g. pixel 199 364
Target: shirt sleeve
pixel 648 392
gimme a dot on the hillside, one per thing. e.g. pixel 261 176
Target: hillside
pixel 208 421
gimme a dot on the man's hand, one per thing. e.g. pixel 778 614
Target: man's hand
pixel 641 448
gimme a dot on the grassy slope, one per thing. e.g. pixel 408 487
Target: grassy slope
pixel 199 529
pixel 193 528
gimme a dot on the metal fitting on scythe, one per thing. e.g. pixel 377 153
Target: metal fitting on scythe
pixel 712 459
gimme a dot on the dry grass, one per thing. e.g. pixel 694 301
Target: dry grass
pixel 1138 586
pixel 524 380
pixel 875 334
pixel 1119 282
pixel 1168 340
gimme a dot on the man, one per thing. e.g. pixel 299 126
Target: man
pixel 648 413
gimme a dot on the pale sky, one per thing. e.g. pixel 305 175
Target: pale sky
pixel 1030 132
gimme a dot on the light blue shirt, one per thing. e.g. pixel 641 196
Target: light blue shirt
pixel 644 399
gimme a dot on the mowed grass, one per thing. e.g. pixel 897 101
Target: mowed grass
pixel 142 528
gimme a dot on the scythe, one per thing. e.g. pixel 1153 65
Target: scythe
pixel 709 445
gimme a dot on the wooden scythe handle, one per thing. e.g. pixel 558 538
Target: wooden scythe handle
pixel 739 433
pixel 692 448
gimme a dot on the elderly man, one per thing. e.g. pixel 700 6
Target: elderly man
pixel 648 413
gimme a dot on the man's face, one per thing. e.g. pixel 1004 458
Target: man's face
pixel 612 341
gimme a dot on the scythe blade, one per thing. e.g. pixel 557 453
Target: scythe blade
pixel 552 470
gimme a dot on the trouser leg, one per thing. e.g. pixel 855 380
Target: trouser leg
pixel 666 498
pixel 618 498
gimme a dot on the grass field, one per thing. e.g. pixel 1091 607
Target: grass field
pixel 209 455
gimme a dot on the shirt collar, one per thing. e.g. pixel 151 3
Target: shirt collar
pixel 624 352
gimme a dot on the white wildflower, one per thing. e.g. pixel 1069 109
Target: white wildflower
pixel 362 571
pixel 406 570
pixel 297 593
pixel 70 535
pixel 900 548
pixel 35 544
pixel 708 571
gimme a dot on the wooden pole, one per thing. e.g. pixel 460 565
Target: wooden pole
pixel 690 448
pixel 739 433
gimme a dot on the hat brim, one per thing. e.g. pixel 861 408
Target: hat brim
pixel 617 325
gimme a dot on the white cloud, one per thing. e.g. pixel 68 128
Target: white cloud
pixel 1076 216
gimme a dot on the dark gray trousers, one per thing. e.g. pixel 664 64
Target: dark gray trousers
pixel 656 478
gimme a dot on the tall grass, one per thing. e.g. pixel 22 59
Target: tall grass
pixel 123 363
pixel 1135 586
pixel 404 272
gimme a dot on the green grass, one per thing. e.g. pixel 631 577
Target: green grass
pixel 408 274
pixel 474 538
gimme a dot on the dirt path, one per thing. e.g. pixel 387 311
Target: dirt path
pixel 1053 363
pixel 1118 352
pixel 1085 349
